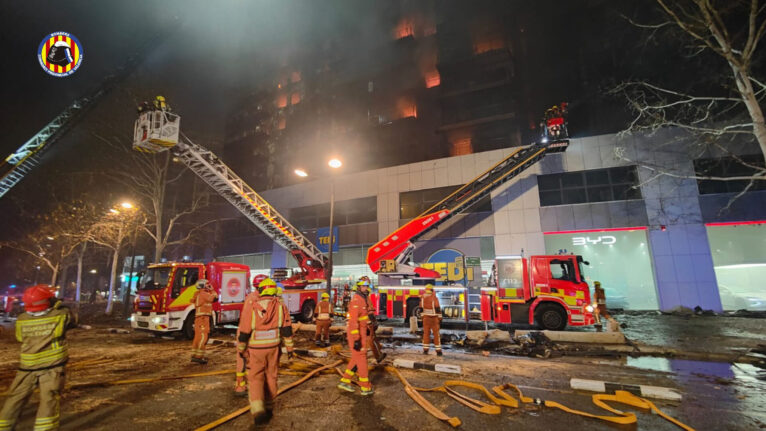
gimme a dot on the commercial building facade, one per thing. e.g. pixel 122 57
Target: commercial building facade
pixel 655 242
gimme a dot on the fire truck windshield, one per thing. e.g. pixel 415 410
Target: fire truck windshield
pixel 580 261
pixel 156 278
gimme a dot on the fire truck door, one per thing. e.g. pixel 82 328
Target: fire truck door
pixel 293 302
pixel 503 309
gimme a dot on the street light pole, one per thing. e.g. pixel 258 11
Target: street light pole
pixel 328 270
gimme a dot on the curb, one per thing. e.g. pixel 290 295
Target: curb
pixel 640 390
pixel 440 368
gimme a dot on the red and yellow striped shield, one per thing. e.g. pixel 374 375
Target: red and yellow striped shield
pixel 60 54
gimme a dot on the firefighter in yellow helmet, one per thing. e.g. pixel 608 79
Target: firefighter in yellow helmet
pixel 356 331
pixel 41 330
pixel 432 317
pixel 160 104
pixel 323 316
pixel 264 325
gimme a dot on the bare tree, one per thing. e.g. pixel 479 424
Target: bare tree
pixel 719 34
pixel 112 232
pixel 58 233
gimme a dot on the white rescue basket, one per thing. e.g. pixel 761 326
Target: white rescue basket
pixel 156 131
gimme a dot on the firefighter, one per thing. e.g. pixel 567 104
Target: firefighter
pixel 601 311
pixel 42 332
pixel 323 315
pixel 160 104
pixel 203 315
pixel 432 317
pixel 356 331
pixel 264 325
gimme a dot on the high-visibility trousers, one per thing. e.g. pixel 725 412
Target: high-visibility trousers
pixel 358 364
pixel 601 311
pixel 431 326
pixel 323 329
pixel 263 366
pixel 240 384
pixel 50 382
pixel 201 335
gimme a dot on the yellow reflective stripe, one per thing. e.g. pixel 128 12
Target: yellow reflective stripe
pixel 252 322
pixel 288 342
pixel 349 372
pixel 241 374
pixel 43 353
pixel 355 331
pixel 46 427
pixel 363 318
pixel 46 420
pixel 261 342
pixel 364 389
pixel 345 380
pixel 364 379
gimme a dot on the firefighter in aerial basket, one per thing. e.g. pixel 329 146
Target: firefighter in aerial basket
pixel 432 319
pixel 203 314
pixel 356 331
pixel 264 325
pixel 41 330
pixel 323 313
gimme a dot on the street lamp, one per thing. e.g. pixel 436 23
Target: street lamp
pixel 334 163
pixel 126 297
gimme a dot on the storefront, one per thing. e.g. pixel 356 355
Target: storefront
pixel 619 258
pixel 739 261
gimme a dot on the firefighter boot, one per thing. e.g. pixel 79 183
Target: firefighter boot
pixel 318 342
pixel 198 360
pixel 262 418
pixel 439 352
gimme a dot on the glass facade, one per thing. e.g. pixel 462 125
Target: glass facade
pixel 619 259
pixel 739 261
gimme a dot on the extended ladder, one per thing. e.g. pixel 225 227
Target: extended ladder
pixel 390 254
pixel 227 184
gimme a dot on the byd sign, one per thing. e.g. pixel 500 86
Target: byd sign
pixel 587 240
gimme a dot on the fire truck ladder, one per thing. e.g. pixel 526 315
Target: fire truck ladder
pixel 399 245
pixel 224 181
pixel 16 166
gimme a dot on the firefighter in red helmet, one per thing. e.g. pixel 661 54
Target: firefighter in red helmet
pixel 42 331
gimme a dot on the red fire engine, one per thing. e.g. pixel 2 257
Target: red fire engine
pixel 549 291
pixel 163 302
pixel 390 257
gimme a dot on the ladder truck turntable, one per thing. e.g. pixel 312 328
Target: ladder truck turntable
pixel 532 294
pixel 163 303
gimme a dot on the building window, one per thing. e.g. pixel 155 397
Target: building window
pixel 598 185
pixel 728 167
pixel 353 211
pixel 281 101
pixel 412 204
pixel 295 98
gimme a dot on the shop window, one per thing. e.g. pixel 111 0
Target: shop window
pixel 414 203
pixel 728 167
pixel 739 261
pixel 600 185
pixel 620 260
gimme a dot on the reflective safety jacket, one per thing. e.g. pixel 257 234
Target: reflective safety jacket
pixel 430 304
pixel 43 338
pixel 357 317
pixel 264 323
pixel 203 302
pixel 600 296
pixel 323 310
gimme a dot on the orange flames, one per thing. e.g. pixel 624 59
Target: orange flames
pixel 295 98
pixel 433 79
pixel 416 25
pixel 405 27
pixel 488 42
pixel 281 100
pixel 461 147
pixel 405 107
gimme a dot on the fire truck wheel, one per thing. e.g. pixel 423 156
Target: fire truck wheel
pixel 188 329
pixel 307 311
pixel 551 317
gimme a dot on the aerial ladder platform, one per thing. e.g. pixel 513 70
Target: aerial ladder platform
pixel 391 255
pixel 159 130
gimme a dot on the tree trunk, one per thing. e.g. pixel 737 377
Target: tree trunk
pixel 745 87
pixel 63 279
pixel 54 274
pixel 80 258
pixel 112 281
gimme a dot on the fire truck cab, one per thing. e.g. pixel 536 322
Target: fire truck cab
pixel 165 291
pixel 549 291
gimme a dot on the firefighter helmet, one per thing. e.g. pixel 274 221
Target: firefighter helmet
pixel 269 285
pixel 258 279
pixel 202 283
pixel 37 298
pixel 429 287
pixel 363 282
pixel 325 296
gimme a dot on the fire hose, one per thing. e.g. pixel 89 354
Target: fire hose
pixel 281 390
pixel 502 398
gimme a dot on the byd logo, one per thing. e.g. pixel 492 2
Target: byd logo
pixel 586 240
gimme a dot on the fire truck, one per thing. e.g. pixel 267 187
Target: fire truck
pixel 164 298
pixel 163 305
pixel 391 256
pixel 549 291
